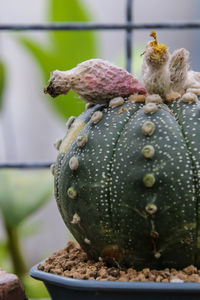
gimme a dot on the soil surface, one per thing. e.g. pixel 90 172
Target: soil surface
pixel 72 262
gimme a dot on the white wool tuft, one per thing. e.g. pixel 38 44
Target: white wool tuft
pixel 178 68
pixel 155 73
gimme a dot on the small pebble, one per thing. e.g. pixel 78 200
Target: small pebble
pixel 177 280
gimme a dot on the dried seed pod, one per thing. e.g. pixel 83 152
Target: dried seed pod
pixel 96 81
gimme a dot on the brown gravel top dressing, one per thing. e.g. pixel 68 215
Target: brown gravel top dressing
pixel 72 262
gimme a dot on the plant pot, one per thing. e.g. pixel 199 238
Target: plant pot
pixel 61 288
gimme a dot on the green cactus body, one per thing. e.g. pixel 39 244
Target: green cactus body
pixel 127 185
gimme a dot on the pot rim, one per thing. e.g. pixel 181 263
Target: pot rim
pixel 125 286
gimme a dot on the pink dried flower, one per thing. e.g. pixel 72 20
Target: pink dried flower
pixel 95 81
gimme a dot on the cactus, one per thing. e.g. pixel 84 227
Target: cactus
pixel 127 178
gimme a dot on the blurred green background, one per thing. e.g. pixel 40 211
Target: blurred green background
pixel 23 193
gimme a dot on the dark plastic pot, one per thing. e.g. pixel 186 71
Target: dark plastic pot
pixel 62 288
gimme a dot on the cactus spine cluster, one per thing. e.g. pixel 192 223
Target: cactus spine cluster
pixel 127 176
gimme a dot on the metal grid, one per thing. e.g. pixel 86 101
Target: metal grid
pixel 129 27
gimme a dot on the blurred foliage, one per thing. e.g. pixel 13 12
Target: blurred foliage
pixel 5 262
pixel 34 289
pixel 21 194
pixel 24 193
pixel 64 51
pixel 2 83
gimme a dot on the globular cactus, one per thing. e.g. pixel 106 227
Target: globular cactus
pixel 127 181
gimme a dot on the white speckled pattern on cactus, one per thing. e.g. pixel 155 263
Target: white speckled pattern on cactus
pixel 138 202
